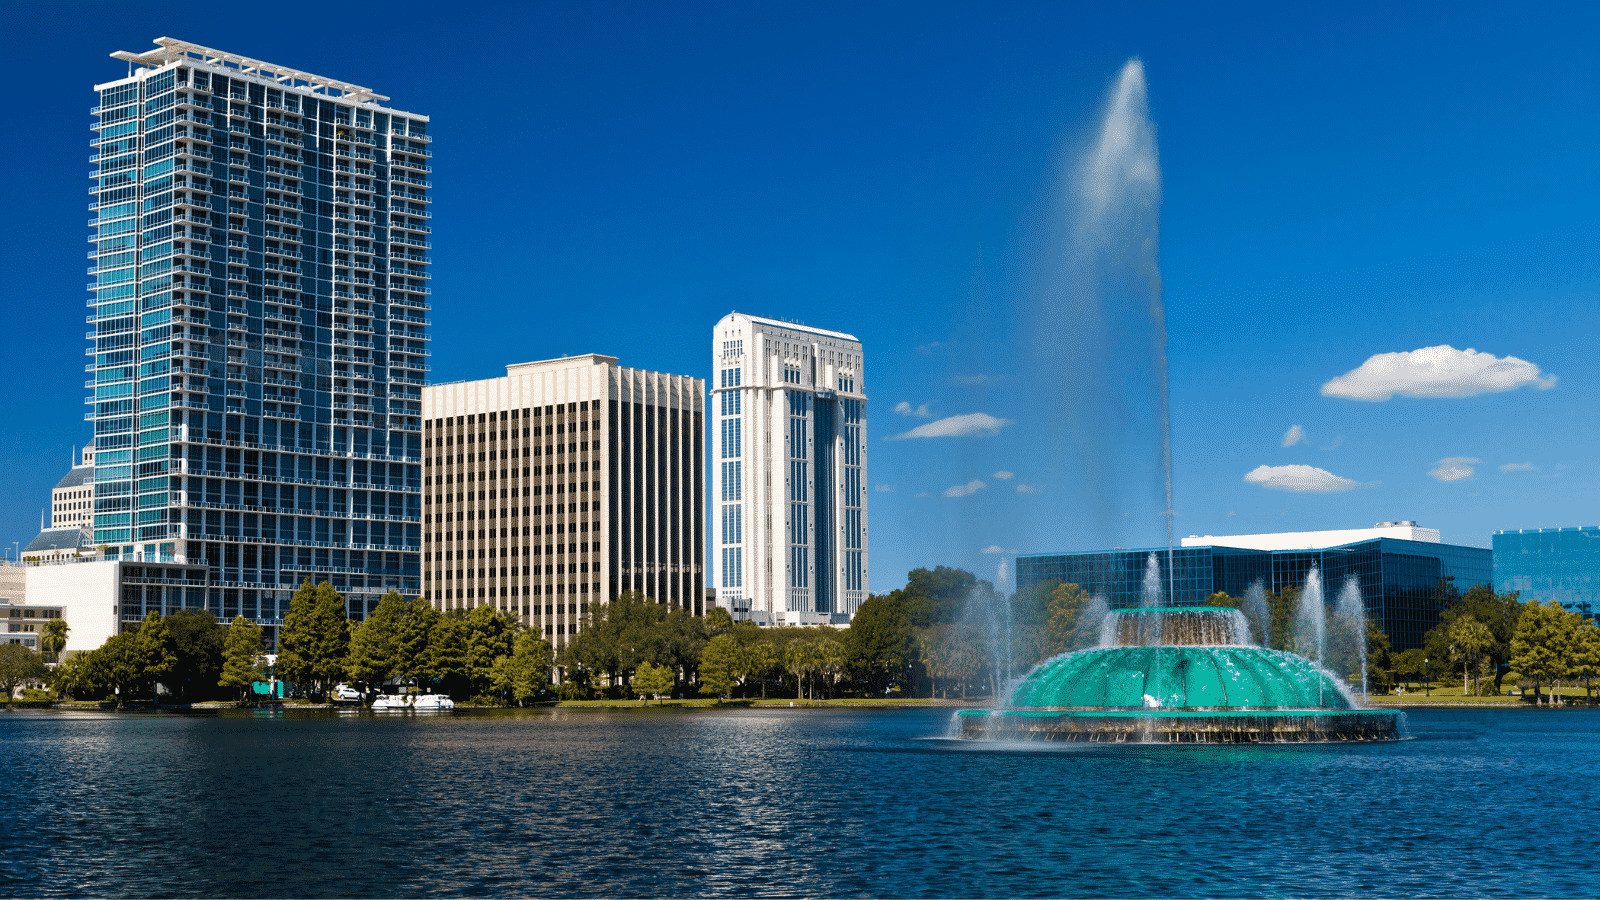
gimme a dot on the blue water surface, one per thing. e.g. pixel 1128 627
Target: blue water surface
pixel 779 802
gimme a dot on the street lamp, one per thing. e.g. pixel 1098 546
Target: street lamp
pixel 1425 679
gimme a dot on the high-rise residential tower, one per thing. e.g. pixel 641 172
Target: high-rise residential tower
pixel 561 484
pixel 259 287
pixel 788 463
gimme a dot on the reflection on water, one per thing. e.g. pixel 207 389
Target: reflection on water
pixel 773 802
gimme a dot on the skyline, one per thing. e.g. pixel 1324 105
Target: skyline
pixel 1328 204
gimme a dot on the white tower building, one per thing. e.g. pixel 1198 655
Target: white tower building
pixel 788 459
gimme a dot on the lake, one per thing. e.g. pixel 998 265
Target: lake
pixel 780 802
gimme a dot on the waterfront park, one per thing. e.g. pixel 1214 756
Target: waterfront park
pixel 955 739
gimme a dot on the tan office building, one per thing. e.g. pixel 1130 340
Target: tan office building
pixel 564 483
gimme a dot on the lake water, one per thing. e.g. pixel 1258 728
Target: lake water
pixel 780 803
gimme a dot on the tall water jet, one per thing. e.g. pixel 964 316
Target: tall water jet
pixel 1255 609
pixel 1350 614
pixel 1100 333
pixel 1311 619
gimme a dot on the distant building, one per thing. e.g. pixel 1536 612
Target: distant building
pixel 22 623
pixel 13 583
pixel 789 460
pixel 1545 564
pixel 53 544
pixel 1398 577
pixel 72 499
pixel 566 482
pixel 101 598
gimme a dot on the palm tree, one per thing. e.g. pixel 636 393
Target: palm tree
pixel 54 639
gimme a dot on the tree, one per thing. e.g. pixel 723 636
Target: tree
pixel 155 654
pixel 719 664
pixel 1586 654
pixel 242 653
pixel 197 647
pixel 650 678
pixel 1380 667
pixel 489 637
pixel 1469 642
pixel 19 664
pixel 1067 627
pixel 315 638
pixel 1539 645
pixel 416 636
pixel 375 644
pixel 878 644
pixel 53 639
pixel 529 665
pixel 447 661
pixel 718 621
pixel 935 596
pixel 1409 665
pixel 951 654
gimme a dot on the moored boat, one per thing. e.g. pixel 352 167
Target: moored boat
pixel 410 702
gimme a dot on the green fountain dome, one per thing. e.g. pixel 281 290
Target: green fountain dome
pixel 1175 678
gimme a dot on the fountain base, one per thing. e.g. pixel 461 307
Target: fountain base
pixel 1189 726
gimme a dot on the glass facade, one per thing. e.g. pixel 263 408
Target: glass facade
pixel 1544 564
pixel 259 285
pixel 1399 580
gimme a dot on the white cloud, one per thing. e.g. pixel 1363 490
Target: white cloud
pixel 1519 467
pixel 1003 475
pixel 1454 468
pixel 1299 478
pixel 922 494
pixel 1028 488
pixel 996 548
pixel 1294 435
pixel 968 425
pixel 906 409
pixel 963 490
pixel 970 379
pixel 884 488
pixel 1441 371
pixel 930 346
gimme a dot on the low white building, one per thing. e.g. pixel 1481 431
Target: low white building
pixel 103 597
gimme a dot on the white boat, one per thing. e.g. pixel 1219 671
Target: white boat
pixel 404 702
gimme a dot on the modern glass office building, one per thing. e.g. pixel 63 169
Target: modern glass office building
pixel 1544 564
pixel 259 286
pixel 788 450
pixel 1399 579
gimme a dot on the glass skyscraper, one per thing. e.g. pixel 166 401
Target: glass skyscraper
pixel 1544 564
pixel 259 290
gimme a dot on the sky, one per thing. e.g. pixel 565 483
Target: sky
pixel 1378 246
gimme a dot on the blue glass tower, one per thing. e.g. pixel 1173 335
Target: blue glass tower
pixel 258 279
pixel 1545 564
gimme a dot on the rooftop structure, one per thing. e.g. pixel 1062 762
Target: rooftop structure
pixel 1315 540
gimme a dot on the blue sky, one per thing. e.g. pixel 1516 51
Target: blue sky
pixel 1338 182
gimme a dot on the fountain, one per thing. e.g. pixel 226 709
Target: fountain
pixel 1179 674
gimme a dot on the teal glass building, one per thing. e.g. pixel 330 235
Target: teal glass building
pixel 1545 564
pixel 259 289
pixel 1399 579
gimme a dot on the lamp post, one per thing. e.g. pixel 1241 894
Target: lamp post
pixel 1425 679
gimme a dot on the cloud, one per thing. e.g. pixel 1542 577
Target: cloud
pixel 969 425
pixel 1294 435
pixel 884 488
pixel 970 379
pixel 1519 467
pixel 1441 371
pixel 963 490
pixel 1028 488
pixel 1454 468
pixel 905 409
pixel 996 548
pixel 930 346
pixel 1003 475
pixel 1299 478
pixel 922 494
